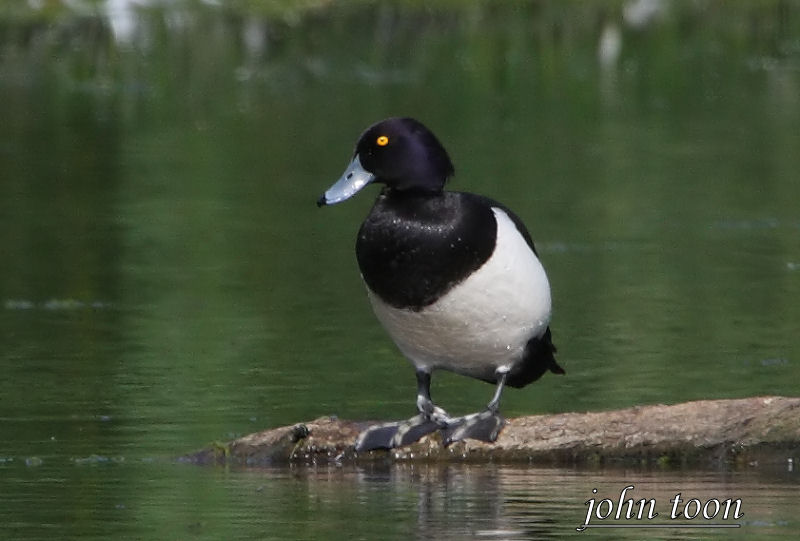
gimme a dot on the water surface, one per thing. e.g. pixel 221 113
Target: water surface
pixel 167 281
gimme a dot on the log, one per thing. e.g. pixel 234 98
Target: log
pixel 719 433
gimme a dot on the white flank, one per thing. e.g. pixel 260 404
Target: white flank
pixel 485 321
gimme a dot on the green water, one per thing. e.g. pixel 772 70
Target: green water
pixel 166 279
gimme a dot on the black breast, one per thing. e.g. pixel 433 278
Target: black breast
pixel 414 247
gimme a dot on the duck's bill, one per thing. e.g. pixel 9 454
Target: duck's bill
pixel 352 181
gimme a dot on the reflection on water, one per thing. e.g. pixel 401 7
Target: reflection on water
pixel 469 502
pixel 154 500
pixel 167 280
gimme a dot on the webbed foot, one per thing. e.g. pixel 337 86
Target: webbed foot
pixel 484 426
pixel 397 434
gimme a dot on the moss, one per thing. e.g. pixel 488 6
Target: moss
pixel 220 451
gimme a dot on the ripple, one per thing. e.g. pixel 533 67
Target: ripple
pixel 55 304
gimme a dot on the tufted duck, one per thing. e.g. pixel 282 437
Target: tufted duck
pixel 453 277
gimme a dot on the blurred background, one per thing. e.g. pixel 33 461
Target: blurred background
pixel 166 279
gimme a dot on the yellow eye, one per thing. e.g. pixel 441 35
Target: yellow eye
pixel 382 141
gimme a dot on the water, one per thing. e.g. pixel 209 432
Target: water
pixel 101 500
pixel 167 281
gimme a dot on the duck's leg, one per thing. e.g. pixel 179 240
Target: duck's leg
pixel 397 434
pixel 485 425
pixel 425 405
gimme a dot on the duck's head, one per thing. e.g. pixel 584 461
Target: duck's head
pixel 400 153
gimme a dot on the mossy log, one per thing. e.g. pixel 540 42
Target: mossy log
pixel 743 432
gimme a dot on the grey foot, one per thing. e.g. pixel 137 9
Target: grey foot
pixel 483 426
pixel 392 435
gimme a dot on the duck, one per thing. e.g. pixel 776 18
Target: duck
pixel 453 277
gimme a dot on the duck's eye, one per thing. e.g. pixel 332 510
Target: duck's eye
pixel 382 141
